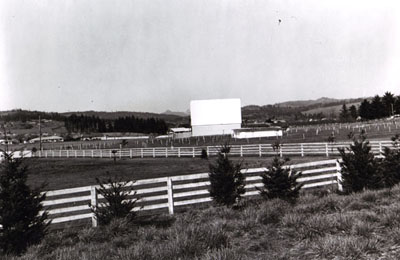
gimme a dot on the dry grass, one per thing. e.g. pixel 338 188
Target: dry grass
pixel 327 227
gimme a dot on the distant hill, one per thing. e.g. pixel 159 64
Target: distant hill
pixel 297 110
pixel 175 113
pixel 304 103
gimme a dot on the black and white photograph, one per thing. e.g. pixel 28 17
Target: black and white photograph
pixel 199 129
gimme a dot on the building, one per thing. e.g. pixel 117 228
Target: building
pixel 245 133
pixel 215 116
pixel 180 132
pixel 47 139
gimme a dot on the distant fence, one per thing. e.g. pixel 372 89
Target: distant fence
pixel 175 191
pixel 289 149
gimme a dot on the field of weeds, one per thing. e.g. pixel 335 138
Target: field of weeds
pixel 321 225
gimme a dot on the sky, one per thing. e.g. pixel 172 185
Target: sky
pixel 154 55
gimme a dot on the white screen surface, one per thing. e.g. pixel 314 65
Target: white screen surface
pixel 215 112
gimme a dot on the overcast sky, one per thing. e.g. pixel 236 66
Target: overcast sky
pixel 153 55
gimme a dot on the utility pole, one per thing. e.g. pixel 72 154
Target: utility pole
pixel 40 135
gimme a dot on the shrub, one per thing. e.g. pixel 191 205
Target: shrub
pixel 22 224
pixel 359 168
pixel 390 165
pixel 280 182
pixel 118 202
pixel 204 154
pixel 226 179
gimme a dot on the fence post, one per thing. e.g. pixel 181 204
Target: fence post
pixel 170 196
pixel 93 202
pixel 154 152
pixel 193 152
pixel 302 151
pixel 327 150
pixel 280 151
pixel 141 152
pixel 241 151
pixel 208 152
pixel 92 154
pixel 166 152
pixel 179 152
pixel 259 150
pixel 339 176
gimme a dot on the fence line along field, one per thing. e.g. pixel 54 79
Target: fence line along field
pixel 174 191
pixel 377 129
pixel 288 149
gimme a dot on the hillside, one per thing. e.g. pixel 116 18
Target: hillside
pixel 304 103
pixel 322 225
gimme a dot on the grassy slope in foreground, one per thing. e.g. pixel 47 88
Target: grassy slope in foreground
pixel 358 226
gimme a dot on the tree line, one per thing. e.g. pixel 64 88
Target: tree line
pixel 378 107
pixel 27 115
pixel 90 124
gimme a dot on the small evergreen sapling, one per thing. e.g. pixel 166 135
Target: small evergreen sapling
pixel 119 201
pixel 20 206
pixel 359 167
pixel 390 165
pixel 280 182
pixel 226 180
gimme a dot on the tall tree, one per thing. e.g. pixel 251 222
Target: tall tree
pixel 365 110
pixel 344 113
pixel 353 112
pixel 388 101
pixel 377 108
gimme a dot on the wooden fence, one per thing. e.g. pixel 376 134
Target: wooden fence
pixel 175 191
pixel 289 149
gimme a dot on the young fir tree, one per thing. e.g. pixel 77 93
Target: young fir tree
pixel 20 206
pixel 280 182
pixel 359 168
pixel 119 202
pixel 390 165
pixel 226 180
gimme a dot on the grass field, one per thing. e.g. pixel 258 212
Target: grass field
pixel 69 173
pixel 319 226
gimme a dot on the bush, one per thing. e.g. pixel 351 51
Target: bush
pixel 390 165
pixel 280 182
pixel 204 154
pixel 22 225
pixel 119 203
pixel 226 179
pixel 359 168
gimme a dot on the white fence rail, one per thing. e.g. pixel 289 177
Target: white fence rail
pixel 171 192
pixel 287 149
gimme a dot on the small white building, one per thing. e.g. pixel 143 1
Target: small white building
pixel 245 133
pixel 47 139
pixel 180 132
pixel 215 116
